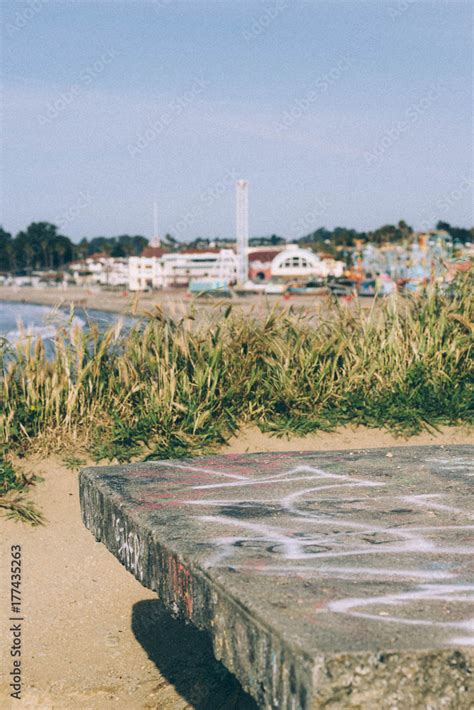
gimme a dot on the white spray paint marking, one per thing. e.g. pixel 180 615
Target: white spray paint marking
pixel 128 547
pixel 199 469
pixel 312 473
pixel 425 500
pixel 329 570
pixel 305 526
pixel 426 593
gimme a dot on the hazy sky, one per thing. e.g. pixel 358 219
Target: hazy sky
pixel 338 113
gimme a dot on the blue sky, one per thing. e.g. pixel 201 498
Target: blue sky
pixel 338 113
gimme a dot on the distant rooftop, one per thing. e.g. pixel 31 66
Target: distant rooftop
pixel 153 251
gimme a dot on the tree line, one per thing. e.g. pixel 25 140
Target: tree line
pixel 323 239
pixel 40 246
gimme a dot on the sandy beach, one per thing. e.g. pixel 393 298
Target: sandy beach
pixel 122 302
pixel 174 303
pixel 93 637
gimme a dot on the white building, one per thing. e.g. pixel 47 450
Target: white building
pixel 156 269
pixel 146 272
pixel 296 263
pixel 114 272
pixel 100 269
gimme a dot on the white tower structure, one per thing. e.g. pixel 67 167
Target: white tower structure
pixel 242 229
pixel 155 240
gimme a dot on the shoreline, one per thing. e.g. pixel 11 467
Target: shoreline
pixel 175 303
pixel 109 301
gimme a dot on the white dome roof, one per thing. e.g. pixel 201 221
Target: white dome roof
pixel 296 261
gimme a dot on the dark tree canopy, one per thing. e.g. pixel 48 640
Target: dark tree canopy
pixel 327 240
pixel 459 234
pixel 272 240
pixel 40 247
pixel 7 251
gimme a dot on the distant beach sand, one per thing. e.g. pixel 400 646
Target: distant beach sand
pixel 79 648
pixel 122 302
pixel 174 302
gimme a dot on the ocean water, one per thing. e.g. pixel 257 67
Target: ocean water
pixel 18 320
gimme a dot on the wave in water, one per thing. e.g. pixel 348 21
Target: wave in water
pixel 20 320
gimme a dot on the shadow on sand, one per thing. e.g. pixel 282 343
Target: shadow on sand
pixel 184 656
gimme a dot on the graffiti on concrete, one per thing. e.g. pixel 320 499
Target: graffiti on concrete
pixel 313 523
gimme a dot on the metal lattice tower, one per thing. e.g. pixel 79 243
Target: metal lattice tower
pixel 242 228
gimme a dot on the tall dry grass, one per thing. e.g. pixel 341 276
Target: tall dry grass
pixel 173 387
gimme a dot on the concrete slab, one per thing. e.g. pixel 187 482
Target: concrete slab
pixel 335 579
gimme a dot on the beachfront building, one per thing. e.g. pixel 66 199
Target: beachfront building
pixel 294 263
pixel 115 273
pixel 145 272
pixel 177 269
pixel 204 266
pixel 260 262
pixel 86 272
pixel 100 270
